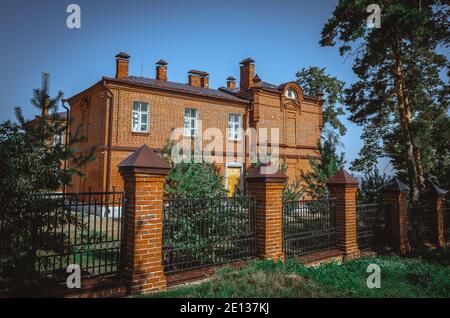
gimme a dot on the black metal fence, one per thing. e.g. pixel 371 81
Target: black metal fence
pixel 308 226
pixel 60 229
pixel 371 224
pixel 447 220
pixel 419 222
pixel 204 232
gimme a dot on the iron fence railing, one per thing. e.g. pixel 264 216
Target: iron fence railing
pixel 419 222
pixel 308 226
pixel 56 230
pixel 371 224
pixel 447 220
pixel 204 232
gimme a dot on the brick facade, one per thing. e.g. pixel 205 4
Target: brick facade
pixel 104 111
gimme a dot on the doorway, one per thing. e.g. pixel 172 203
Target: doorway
pixel 233 178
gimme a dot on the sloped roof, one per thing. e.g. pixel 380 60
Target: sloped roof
pixel 342 177
pixel 395 184
pixel 144 159
pixel 177 87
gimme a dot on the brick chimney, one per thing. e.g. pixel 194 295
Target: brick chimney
pixel 231 82
pixel 198 78
pixel 247 73
pixel 204 81
pixel 122 60
pixel 161 70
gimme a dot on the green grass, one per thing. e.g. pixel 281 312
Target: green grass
pixel 421 275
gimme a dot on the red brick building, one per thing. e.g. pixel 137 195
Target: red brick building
pixel 120 114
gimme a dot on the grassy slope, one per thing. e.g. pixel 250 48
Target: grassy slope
pixel 426 275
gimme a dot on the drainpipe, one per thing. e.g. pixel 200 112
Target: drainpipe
pixel 66 139
pixel 110 122
pixel 246 116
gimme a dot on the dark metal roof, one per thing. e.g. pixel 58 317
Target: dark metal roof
pixel 342 177
pixel 260 174
pixel 123 55
pixel 161 62
pixel 395 184
pixel 230 78
pixel 248 60
pixel 229 90
pixel 266 85
pixel 197 72
pixel 177 87
pixel 434 186
pixel 143 158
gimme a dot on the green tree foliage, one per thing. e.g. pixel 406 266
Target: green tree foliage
pixel 30 167
pixel 194 180
pixel 293 191
pixel 399 98
pixel 322 169
pixel 315 80
pixel 371 185
pixel 191 179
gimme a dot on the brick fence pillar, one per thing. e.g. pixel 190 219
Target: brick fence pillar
pixel 435 197
pixel 343 188
pixel 395 195
pixel 144 173
pixel 268 191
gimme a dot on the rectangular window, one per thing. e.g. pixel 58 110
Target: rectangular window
pixel 140 119
pixel 234 126
pixel 58 139
pixel 190 122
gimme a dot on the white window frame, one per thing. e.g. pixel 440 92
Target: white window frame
pixel 234 127
pixel 291 93
pixel 58 139
pixel 137 114
pixel 190 122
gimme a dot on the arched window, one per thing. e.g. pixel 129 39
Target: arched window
pixel 290 93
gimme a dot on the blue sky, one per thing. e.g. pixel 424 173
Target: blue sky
pixel 281 36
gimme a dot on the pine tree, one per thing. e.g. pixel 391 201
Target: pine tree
pixel 399 85
pixel 313 81
pixel 371 185
pixel 322 169
pixel 30 168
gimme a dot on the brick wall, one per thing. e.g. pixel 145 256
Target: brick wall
pixel 267 190
pixel 343 189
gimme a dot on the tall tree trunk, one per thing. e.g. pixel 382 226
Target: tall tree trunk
pixel 416 151
pixel 415 171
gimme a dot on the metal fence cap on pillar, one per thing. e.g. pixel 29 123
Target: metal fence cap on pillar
pixel 395 185
pixel 342 177
pixel 144 160
pixel 433 187
pixel 259 175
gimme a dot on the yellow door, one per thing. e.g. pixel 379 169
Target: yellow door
pixel 234 179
